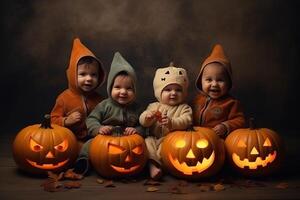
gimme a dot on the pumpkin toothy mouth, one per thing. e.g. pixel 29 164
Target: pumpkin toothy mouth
pixel 123 170
pixel 253 165
pixel 47 166
pixel 198 168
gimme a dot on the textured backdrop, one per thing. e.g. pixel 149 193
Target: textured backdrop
pixel 259 37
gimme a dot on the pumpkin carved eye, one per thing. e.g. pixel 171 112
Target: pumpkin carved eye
pixel 138 150
pixel 242 144
pixel 62 146
pixel 34 146
pixel 202 143
pixel 267 143
pixel 115 149
pixel 180 144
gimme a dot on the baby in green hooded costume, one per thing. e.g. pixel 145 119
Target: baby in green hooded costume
pixel 118 110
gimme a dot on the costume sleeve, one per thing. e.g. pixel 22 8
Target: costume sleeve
pixel 151 107
pixel 236 118
pixel 184 120
pixel 93 121
pixel 58 113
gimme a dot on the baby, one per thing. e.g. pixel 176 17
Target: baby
pixel 170 113
pixel 214 107
pixel 119 110
pixel 85 73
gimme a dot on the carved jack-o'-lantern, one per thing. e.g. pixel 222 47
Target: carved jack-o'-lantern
pixel 118 155
pixel 44 147
pixel 193 154
pixel 254 151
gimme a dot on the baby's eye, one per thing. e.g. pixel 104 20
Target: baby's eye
pixel 94 75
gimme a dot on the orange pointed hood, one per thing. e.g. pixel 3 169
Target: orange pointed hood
pixel 79 51
pixel 216 55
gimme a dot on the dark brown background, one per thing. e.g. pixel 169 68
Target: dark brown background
pixel 260 38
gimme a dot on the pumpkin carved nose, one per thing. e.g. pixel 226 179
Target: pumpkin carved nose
pixel 128 159
pixel 190 154
pixel 49 155
pixel 254 151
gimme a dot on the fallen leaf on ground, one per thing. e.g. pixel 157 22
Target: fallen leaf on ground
pixel 152 182
pixel 100 181
pixel 219 187
pixel 109 184
pixel 72 184
pixel 70 174
pixel 54 176
pixel 152 189
pixel 282 185
pixel 53 187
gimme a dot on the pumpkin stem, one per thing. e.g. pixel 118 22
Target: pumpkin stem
pixel 117 131
pixel 46 122
pixel 252 123
pixel 191 128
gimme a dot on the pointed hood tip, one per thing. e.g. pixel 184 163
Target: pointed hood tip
pixel 118 65
pixel 217 55
pixel 78 51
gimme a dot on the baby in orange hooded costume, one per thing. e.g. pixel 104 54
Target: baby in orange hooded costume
pixel 85 73
pixel 213 107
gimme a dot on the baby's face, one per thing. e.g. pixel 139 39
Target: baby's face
pixel 172 95
pixel 87 76
pixel 122 90
pixel 214 80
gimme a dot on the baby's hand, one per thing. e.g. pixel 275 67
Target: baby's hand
pixel 220 130
pixel 165 121
pixel 73 118
pixel 130 131
pixel 105 130
pixel 149 116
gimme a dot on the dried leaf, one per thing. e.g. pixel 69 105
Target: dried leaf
pixel 54 176
pixel 219 187
pixel 72 184
pixel 70 174
pixel 152 189
pixel 177 190
pixel 100 181
pixel 282 185
pixel 109 184
pixel 152 182
pixel 53 187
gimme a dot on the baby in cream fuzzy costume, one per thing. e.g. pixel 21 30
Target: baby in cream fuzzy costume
pixel 170 113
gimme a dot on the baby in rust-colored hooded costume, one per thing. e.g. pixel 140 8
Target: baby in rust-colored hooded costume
pixel 214 107
pixel 85 73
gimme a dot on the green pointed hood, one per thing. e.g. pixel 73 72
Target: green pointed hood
pixel 119 64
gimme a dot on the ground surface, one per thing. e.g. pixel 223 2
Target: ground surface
pixel 17 185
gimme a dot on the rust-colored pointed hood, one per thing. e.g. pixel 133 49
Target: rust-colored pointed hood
pixel 79 51
pixel 216 55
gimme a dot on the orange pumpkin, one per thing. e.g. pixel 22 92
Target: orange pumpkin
pixel 44 147
pixel 118 155
pixel 254 151
pixel 193 154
